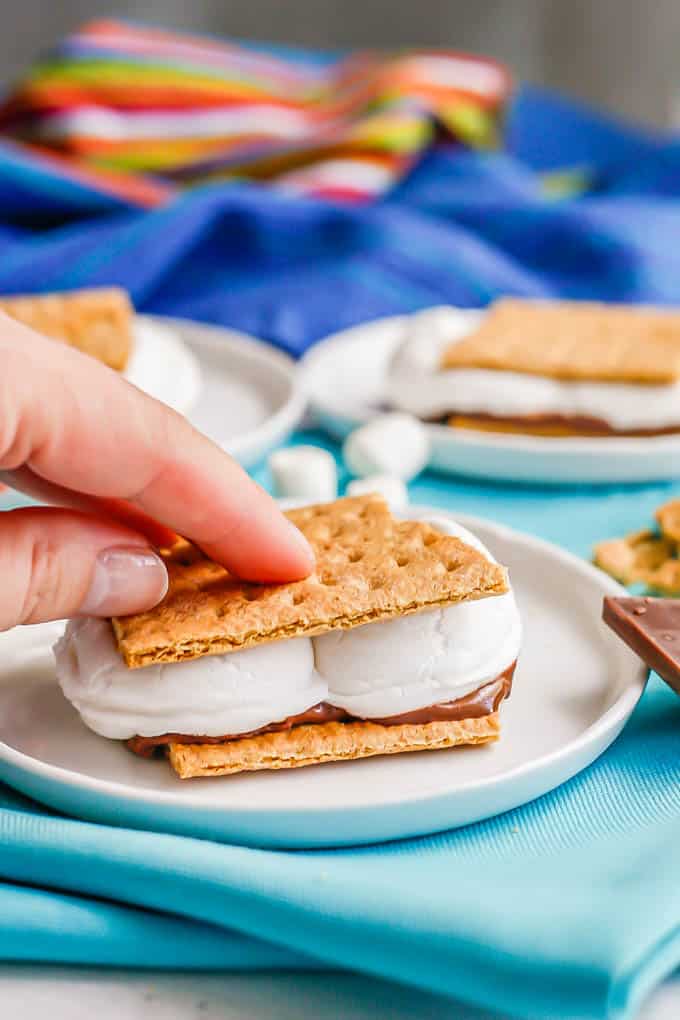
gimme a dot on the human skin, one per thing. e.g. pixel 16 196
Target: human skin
pixel 123 474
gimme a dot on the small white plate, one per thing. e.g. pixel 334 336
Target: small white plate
pixel 344 378
pixel 575 687
pixel 162 365
pixel 240 391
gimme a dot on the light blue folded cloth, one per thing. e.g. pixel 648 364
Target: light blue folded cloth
pixel 566 908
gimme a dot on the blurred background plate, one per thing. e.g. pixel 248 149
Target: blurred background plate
pixel 163 366
pixel 240 391
pixel 344 378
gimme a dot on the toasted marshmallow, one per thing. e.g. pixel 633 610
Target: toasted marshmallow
pixel 392 444
pixel 392 489
pixel 304 472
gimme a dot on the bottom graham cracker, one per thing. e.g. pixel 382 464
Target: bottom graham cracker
pixel 326 742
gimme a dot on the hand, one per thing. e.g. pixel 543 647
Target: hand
pixel 128 473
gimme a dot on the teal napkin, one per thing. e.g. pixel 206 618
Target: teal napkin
pixel 566 908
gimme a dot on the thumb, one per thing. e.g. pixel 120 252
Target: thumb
pixel 59 563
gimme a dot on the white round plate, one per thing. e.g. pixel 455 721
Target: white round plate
pixel 575 687
pixel 344 378
pixel 240 391
pixel 163 366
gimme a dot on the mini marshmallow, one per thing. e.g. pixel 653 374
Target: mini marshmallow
pixel 393 444
pixel 392 489
pixel 304 472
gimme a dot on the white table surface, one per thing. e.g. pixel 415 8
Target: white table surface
pixel 32 993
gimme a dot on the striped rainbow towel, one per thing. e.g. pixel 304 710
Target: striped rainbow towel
pixel 140 112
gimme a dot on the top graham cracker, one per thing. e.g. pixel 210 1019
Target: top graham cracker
pixel 97 321
pixel 369 566
pixel 578 340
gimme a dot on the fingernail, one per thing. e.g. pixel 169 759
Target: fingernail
pixel 303 543
pixel 125 580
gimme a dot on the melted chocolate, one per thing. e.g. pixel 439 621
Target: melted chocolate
pixel 557 424
pixel 481 702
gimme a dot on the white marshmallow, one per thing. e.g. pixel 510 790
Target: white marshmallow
pixel 401 665
pixel 211 696
pixel 396 666
pixel 391 444
pixel 304 472
pixel 425 336
pixel 392 489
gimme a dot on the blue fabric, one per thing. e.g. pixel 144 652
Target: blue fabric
pixel 462 228
pixel 566 908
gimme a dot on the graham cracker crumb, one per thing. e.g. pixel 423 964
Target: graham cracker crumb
pixel 646 557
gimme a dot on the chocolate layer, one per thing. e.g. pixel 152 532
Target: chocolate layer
pixel 481 702
pixel 548 425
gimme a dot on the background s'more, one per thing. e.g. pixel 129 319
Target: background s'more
pixel 405 638
pixel 546 368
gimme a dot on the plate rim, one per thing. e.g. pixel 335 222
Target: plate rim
pixel 253 348
pixel 587 445
pixel 610 721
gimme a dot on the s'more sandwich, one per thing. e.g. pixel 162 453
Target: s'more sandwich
pixel 405 638
pixel 545 368
pixel 98 321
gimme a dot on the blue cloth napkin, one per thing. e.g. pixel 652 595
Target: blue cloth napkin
pixel 566 908
pixel 462 228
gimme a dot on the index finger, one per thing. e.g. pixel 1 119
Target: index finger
pixel 80 426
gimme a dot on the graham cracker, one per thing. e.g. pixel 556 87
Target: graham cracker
pixel 327 742
pixel 668 519
pixel 97 322
pixel 573 340
pixel 635 558
pixel 665 580
pixel 369 567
